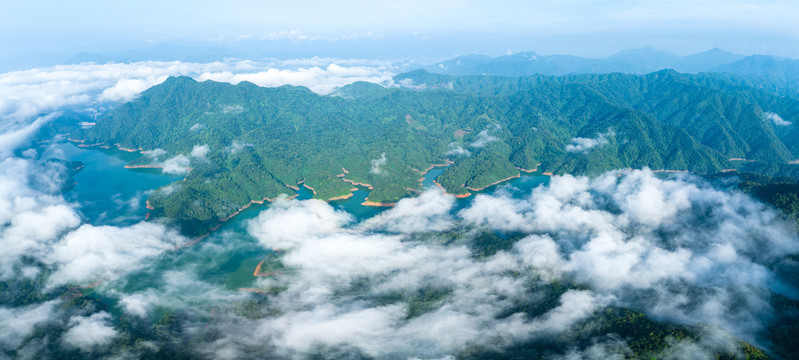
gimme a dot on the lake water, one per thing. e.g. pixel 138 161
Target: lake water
pixel 107 192
pixel 110 194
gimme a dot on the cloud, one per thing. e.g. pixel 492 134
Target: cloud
pixel 457 151
pixel 484 137
pixel 127 89
pixel 88 333
pixel 19 323
pixel 286 223
pixel 28 93
pixel 91 252
pixel 698 256
pixel 776 119
pixel 377 165
pixel 155 153
pixel 14 134
pixel 584 145
pixel 138 304
pixel 293 35
pixel 30 217
pixel 176 288
pixel 170 189
pixel 177 165
pixel 427 212
pixel 337 270
pixel 232 109
pixel 320 80
pixel 197 127
pixel 610 349
pixel 199 152
pixel 235 146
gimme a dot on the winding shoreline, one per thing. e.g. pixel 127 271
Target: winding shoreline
pixel 380 204
pixel 368 186
pixel 459 196
pixel 257 271
pixel 530 171
pixel 345 196
pixel 494 183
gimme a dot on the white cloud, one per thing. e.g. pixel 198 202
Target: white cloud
pixel 232 109
pixel 25 93
pixel 88 333
pixel 18 323
pixel 177 288
pixel 776 119
pixel 287 223
pixel 584 145
pixel 320 80
pixel 484 137
pixel 326 256
pixel 91 252
pixel 127 89
pixel 155 153
pixel 29 218
pixel 170 189
pixel 429 211
pixel 199 152
pixel 28 93
pixel 197 127
pixel 377 165
pixel 235 146
pixel 639 234
pixel 455 150
pixel 285 35
pixel 138 304
pixel 177 165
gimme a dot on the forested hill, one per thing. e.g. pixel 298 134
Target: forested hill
pixel 261 142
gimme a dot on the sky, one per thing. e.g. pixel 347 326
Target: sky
pixel 33 32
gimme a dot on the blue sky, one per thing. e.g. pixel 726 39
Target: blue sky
pixel 414 29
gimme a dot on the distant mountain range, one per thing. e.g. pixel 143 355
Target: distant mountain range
pixel 773 74
pixel 633 61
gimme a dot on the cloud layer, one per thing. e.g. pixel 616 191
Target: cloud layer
pixel 28 93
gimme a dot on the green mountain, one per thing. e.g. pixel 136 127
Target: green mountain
pixel 780 76
pixel 245 143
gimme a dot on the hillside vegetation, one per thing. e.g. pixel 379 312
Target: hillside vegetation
pixel 247 143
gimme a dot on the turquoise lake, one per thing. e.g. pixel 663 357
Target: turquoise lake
pixel 110 194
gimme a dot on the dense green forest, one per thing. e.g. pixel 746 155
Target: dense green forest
pixel 246 143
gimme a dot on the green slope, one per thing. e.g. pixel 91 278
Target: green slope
pixel 264 141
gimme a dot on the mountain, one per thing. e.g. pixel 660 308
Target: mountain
pixel 779 76
pixel 244 143
pixel 633 61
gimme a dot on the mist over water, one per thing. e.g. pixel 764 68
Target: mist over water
pixel 413 279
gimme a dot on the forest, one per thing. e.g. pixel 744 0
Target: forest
pixel 238 144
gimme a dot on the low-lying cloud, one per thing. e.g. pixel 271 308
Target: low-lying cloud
pixel 377 165
pixel 28 93
pixel 339 271
pixel 584 145
pixel 776 119
pixel 485 137
pixel 699 254
pixel 90 332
